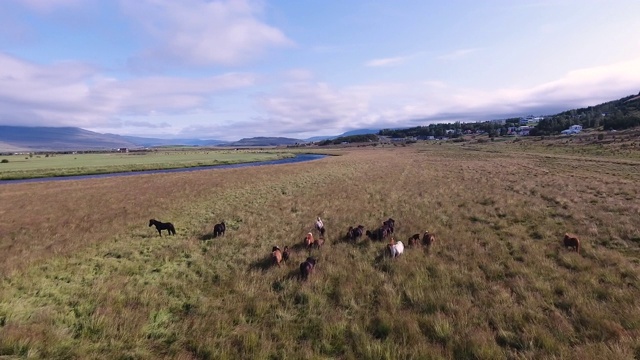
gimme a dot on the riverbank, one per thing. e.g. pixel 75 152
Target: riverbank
pixel 290 158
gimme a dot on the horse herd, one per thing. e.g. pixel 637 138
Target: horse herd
pixel 386 230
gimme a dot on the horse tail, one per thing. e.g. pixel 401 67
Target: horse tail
pixel 577 245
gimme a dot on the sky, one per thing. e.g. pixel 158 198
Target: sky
pixel 231 69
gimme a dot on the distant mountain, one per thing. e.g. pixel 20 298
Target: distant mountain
pixel 348 133
pixel 149 142
pixel 359 132
pixel 265 141
pixel 22 138
pixel 320 138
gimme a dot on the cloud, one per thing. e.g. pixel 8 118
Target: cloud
pixel 196 32
pixel 75 94
pixel 457 54
pixel 78 94
pixel 310 106
pixel 385 62
pixel 316 107
pixel 49 5
pixel 146 124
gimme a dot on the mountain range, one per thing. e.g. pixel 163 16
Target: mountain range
pixel 22 139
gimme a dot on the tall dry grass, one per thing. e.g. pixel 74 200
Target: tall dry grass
pixel 84 277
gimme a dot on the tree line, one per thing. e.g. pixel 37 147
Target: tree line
pixel 614 115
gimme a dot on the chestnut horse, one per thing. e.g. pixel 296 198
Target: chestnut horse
pixel 276 255
pixel 308 240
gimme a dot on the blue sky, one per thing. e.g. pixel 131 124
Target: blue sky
pixel 231 69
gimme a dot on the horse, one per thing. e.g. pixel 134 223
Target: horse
pixel 414 240
pixel 320 226
pixel 571 241
pixel 307 267
pixel 308 240
pixel 162 226
pixel 276 255
pixel 355 233
pixel 285 254
pixel 379 234
pixel 428 239
pixel 219 229
pixel 395 248
pixel 319 242
pixel 390 223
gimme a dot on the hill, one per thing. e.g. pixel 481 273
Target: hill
pixel 265 141
pixel 618 114
pixel 150 142
pixel 22 138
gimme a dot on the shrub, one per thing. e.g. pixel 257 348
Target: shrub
pixel 600 136
pixel 4 161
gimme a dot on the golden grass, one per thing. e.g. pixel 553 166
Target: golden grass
pixel 84 277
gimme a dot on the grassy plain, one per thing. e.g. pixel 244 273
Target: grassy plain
pixel 25 166
pixel 84 277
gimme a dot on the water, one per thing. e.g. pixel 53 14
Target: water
pixel 296 159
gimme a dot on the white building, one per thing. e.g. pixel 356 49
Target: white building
pixel 573 129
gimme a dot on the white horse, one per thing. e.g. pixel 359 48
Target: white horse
pixel 396 249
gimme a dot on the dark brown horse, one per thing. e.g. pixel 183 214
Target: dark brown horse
pixel 428 239
pixel 572 242
pixel 414 240
pixel 355 233
pixel 307 268
pixel 162 226
pixel 379 234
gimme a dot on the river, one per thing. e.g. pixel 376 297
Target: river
pixel 295 159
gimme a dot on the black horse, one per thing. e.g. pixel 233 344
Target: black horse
pixel 163 226
pixel 219 229
pixel 355 233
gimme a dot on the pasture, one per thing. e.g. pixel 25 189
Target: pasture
pixel 83 276
pixel 41 165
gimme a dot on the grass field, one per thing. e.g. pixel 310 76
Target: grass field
pixel 84 277
pixel 25 166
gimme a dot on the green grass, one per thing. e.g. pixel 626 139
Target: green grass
pixel 86 281
pixel 24 166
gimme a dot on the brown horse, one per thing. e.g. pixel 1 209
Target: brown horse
pixel 571 241
pixel 276 255
pixel 285 254
pixel 428 239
